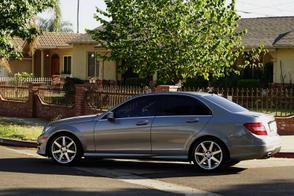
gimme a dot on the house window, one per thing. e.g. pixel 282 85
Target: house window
pixel 93 65
pixel 2 71
pixel 67 64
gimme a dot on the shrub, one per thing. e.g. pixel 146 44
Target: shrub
pixel 248 83
pixel 69 84
pixel 136 82
pixel 69 88
pixel 21 77
pixel 195 82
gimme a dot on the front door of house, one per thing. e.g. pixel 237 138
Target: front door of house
pixel 55 65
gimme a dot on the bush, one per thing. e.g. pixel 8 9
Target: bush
pixel 21 77
pixel 195 82
pixel 69 84
pixel 136 82
pixel 248 83
pixel 69 88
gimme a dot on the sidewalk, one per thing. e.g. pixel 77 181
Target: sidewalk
pixel 288 143
pixel 287 150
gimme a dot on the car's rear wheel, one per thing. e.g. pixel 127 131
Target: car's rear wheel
pixel 209 154
pixel 65 149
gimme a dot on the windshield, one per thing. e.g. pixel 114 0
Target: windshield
pixel 225 103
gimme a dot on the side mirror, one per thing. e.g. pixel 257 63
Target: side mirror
pixel 110 116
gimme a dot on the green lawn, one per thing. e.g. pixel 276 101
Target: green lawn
pixel 19 130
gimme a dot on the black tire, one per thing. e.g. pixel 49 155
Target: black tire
pixel 207 158
pixel 67 154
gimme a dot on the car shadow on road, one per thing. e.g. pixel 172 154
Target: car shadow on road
pixel 142 168
pixel 70 192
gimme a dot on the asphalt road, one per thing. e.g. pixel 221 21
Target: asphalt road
pixel 22 172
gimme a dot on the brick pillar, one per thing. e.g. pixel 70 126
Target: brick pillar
pixel 80 96
pixel 33 96
pixel 167 88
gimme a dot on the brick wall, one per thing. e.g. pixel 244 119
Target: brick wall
pixel 16 108
pixel 285 125
pixel 50 112
pixel 35 107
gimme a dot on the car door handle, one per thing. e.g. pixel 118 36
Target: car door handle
pixel 143 122
pixel 196 120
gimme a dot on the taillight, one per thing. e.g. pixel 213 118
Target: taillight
pixel 256 128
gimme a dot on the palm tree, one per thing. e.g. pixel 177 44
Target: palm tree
pixel 48 25
pixel 57 16
pixel 55 24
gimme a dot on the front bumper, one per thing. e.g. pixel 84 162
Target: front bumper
pixel 42 144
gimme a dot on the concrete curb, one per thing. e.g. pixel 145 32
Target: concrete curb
pixel 32 144
pixel 18 143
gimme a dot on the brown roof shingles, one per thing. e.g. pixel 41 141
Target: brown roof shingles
pixel 50 40
pixel 272 32
pixel 269 31
pixel 62 40
pixel 19 43
pixel 83 39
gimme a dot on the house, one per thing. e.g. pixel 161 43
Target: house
pixel 62 53
pixel 277 36
pixel 76 54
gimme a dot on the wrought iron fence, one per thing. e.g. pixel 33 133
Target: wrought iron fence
pixel 15 93
pixel 277 101
pixel 103 98
pixel 55 95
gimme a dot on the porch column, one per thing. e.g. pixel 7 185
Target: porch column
pixel 33 64
pixel 42 63
pixel 101 70
pixel 276 65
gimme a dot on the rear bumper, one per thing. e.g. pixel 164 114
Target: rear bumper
pixel 264 148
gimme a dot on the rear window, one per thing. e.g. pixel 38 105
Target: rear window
pixel 225 103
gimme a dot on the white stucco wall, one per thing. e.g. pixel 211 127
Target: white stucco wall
pixel 284 65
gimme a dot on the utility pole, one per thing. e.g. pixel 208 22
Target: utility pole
pixel 78 16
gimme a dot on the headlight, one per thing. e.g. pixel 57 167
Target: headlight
pixel 46 129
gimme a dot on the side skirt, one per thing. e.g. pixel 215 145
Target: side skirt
pixel 136 156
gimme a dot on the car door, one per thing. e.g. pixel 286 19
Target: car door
pixel 180 117
pixel 129 131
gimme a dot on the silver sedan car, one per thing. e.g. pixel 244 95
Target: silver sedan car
pixel 206 129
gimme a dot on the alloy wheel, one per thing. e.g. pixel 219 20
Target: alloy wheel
pixel 208 155
pixel 64 149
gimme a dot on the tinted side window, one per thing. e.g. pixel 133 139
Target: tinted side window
pixel 182 105
pixel 138 107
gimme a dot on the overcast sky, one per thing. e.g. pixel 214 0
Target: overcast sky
pixel 246 8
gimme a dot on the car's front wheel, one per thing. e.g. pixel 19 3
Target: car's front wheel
pixel 65 149
pixel 209 154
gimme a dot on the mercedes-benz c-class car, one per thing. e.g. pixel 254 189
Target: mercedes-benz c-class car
pixel 206 129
